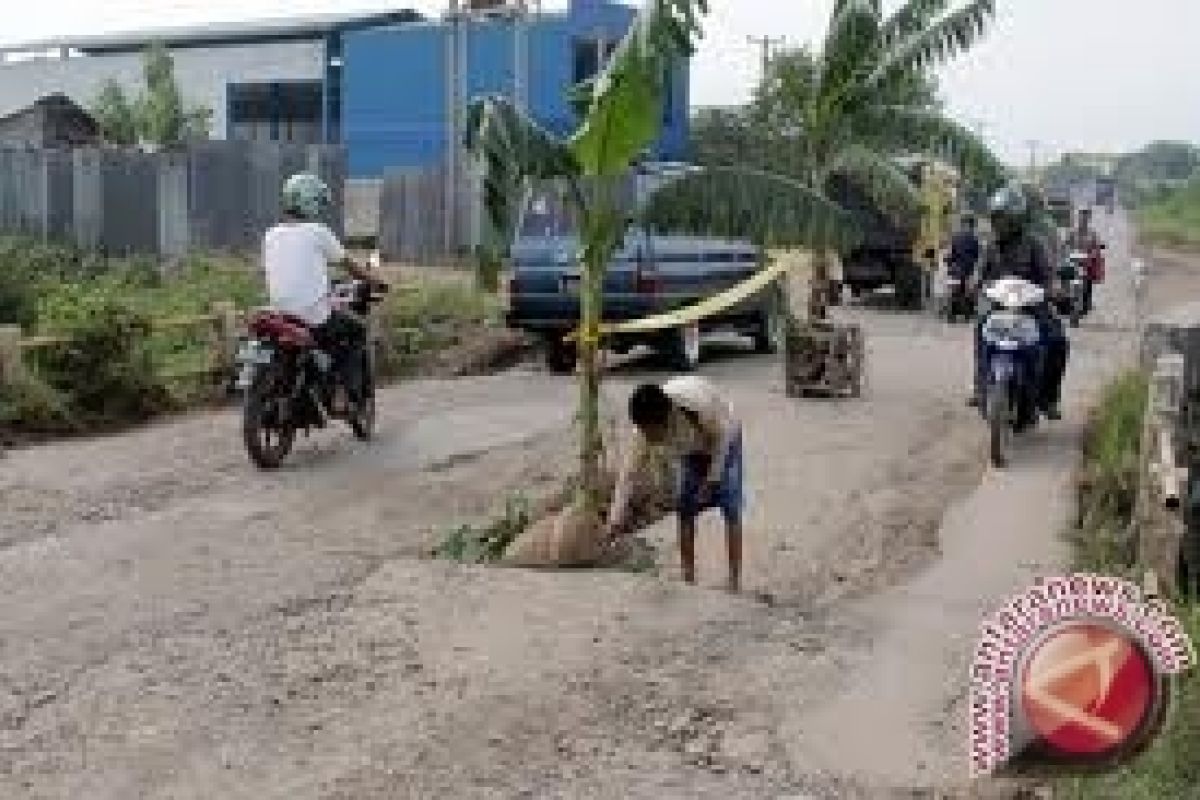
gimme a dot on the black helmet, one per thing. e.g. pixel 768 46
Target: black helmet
pixel 1009 211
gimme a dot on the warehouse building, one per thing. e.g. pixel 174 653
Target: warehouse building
pixel 385 86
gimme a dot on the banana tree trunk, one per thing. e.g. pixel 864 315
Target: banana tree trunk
pixel 591 451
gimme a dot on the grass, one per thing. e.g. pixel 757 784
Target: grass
pixel 1173 220
pixel 1109 480
pixel 1169 769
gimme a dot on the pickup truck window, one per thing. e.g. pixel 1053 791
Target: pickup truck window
pixel 547 214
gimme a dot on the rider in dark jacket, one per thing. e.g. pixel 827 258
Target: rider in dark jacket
pixel 1017 252
pixel 964 251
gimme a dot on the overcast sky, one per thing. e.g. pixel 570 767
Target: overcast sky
pixel 1078 74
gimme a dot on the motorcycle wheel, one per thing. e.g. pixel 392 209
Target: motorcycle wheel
pixel 1000 430
pixel 363 421
pixel 266 443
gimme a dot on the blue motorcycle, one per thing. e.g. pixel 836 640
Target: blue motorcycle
pixel 1012 357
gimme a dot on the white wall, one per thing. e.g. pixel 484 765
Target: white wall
pixel 202 74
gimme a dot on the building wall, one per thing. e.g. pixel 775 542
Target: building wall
pixel 203 74
pixel 395 95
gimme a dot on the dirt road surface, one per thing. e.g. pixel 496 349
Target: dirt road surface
pixel 177 625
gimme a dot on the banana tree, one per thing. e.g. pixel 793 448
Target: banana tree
pixel 621 113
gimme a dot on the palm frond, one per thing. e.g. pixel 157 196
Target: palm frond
pixel 880 178
pixel 912 18
pixel 512 149
pixel 930 132
pixel 622 105
pixel 939 41
pixel 744 203
pixel 851 45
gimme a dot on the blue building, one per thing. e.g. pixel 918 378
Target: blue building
pixel 385 85
pixel 398 93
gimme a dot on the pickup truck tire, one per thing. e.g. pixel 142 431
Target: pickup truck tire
pixel 561 356
pixel 682 348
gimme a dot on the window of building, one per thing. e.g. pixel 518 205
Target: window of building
pixel 280 112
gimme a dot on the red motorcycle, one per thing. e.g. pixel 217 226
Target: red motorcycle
pixel 289 381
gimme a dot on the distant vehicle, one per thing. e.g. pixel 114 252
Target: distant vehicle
pixel 1106 193
pixel 1061 208
pixel 900 254
pixel 650 274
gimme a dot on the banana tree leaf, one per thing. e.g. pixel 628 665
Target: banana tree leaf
pixel 766 208
pixel 623 103
pixel 512 149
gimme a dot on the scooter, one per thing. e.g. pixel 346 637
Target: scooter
pixel 1073 275
pixel 1013 352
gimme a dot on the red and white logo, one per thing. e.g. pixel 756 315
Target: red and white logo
pixel 1073 671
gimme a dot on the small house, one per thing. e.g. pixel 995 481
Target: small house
pixel 54 121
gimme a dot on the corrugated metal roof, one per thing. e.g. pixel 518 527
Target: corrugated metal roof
pixel 231 32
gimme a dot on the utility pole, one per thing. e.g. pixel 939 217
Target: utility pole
pixel 1033 145
pixel 766 43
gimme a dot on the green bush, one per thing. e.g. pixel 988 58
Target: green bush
pixel 31 405
pixel 28 265
pixel 106 373
pixel 416 319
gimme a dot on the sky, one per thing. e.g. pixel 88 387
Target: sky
pixel 1091 75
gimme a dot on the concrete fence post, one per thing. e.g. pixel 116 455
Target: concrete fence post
pixel 11 363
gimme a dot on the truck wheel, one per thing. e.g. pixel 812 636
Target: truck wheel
pixel 683 348
pixel 561 356
pixel 908 285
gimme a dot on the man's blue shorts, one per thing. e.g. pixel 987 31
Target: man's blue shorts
pixel 727 497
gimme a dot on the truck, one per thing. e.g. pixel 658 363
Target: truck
pixel 900 253
pixel 651 273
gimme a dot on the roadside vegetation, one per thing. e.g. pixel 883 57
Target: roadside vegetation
pixel 119 367
pixel 1173 220
pixel 1170 767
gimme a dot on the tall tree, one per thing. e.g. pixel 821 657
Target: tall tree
pixel 162 118
pixel 115 115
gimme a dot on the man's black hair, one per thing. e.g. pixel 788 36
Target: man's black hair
pixel 649 406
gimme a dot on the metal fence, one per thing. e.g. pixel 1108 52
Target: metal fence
pixel 209 196
pixel 424 218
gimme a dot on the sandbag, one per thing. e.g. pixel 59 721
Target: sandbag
pixel 565 539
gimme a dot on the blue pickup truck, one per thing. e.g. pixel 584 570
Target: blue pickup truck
pixel 652 273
